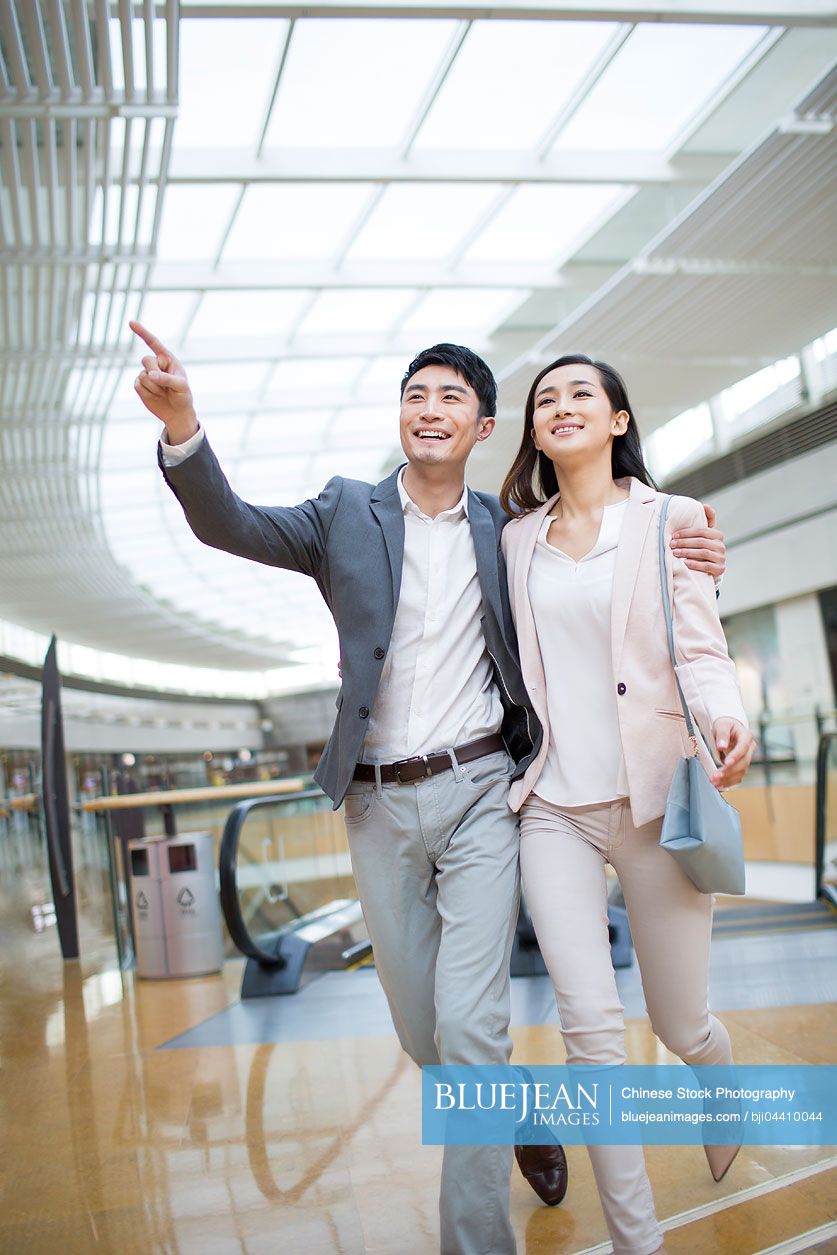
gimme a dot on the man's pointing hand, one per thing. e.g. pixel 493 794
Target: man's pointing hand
pixel 163 388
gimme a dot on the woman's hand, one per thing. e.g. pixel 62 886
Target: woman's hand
pixel 736 746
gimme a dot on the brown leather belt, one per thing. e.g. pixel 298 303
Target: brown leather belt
pixel 406 770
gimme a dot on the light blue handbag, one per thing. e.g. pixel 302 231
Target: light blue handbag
pixel 700 829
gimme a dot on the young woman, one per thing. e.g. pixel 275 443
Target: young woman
pixel 585 592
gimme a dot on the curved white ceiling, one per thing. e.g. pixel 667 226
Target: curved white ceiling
pixel 297 202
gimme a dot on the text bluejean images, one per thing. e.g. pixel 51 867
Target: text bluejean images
pixel 652 1105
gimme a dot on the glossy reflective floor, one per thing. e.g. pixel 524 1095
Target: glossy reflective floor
pixel 120 1136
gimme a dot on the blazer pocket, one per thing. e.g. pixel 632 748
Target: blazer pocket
pixel 672 714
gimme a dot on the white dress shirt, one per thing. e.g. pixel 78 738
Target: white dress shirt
pixel 571 607
pixel 174 454
pixel 437 686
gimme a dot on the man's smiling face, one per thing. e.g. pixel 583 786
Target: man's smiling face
pixel 440 418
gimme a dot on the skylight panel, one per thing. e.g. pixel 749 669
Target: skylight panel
pixel 355 83
pixel 540 223
pixel 236 313
pixel 366 426
pixel 194 219
pixel 259 479
pixel 356 311
pixel 281 432
pixel 227 71
pixel 226 435
pixel 385 375
pixel 419 221
pixel 226 379
pixel 166 314
pixel 676 441
pixel 130 444
pixel 454 314
pixel 314 374
pixel 125 490
pixel 662 76
pixel 296 221
pixel 509 81
pixel 352 464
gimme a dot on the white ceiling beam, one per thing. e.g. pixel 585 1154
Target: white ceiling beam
pixel 365 344
pixel 84 48
pixel 738 12
pixel 669 266
pixel 384 274
pixel 584 88
pixel 117 106
pixel 280 69
pixel 467 166
pixel 435 85
pixel 15 52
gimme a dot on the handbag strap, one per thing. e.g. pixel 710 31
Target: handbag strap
pixel 690 727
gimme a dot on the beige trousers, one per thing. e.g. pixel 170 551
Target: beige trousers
pixel 563 853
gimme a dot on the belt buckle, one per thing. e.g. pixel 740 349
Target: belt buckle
pixel 402 762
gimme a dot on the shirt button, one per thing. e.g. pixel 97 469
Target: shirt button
pixel 620 689
pixel 380 653
pixel 364 712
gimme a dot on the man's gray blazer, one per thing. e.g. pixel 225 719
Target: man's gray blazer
pixel 350 539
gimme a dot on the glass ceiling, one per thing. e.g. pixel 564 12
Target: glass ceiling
pixel 341 193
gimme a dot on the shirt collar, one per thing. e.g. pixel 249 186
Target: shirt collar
pixel 407 503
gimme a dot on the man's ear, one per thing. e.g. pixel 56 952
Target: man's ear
pixel 485 427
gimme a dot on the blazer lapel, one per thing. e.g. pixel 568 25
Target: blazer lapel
pixel 387 508
pixel 527 632
pixel 638 518
pixel 486 541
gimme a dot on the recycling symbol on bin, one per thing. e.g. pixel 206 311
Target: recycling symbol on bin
pixel 186 898
pixel 142 901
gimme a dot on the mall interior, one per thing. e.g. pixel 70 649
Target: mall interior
pixel 297 198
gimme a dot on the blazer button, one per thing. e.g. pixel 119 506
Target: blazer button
pixel 620 689
pixel 380 653
pixel 364 712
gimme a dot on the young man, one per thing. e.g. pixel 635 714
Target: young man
pixel 433 722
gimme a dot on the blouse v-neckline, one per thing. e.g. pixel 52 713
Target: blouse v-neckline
pixel 608 534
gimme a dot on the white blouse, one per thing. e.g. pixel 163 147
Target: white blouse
pixel 571 607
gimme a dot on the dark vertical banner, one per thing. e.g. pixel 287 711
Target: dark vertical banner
pixel 57 806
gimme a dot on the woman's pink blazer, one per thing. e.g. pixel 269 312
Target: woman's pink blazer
pixel 651 722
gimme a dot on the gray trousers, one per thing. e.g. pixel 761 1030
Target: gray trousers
pixel 436 869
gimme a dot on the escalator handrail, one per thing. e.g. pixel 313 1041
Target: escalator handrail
pixel 227 861
pixel 826 741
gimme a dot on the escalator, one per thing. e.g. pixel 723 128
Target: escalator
pixel 282 865
pixel 826 820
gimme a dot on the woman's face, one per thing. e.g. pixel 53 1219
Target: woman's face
pixel 573 419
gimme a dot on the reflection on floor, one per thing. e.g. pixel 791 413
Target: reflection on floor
pixel 774 968
pixel 251 1137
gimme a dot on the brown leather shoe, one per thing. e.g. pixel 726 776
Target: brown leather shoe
pixel 545 1168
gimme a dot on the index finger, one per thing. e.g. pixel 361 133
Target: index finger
pixel 150 339
pixel 702 533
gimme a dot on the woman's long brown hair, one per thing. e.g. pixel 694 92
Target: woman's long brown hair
pixel 532 480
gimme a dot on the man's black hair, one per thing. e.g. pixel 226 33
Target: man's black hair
pixel 466 363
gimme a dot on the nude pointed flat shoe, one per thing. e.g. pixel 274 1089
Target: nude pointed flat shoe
pixel 720 1159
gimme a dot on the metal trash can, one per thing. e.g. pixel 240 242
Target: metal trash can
pixel 174 901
